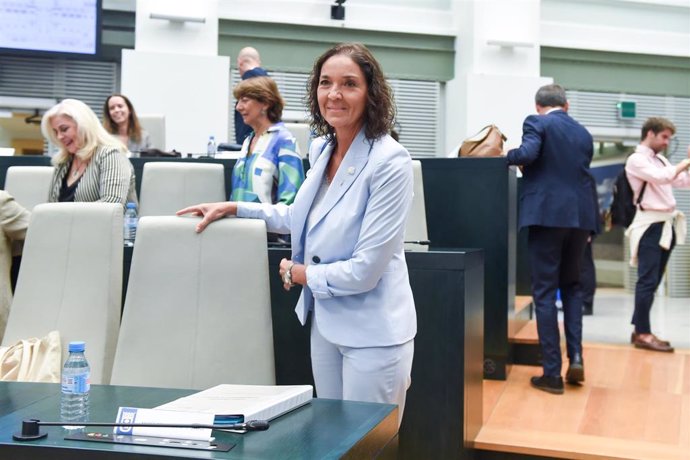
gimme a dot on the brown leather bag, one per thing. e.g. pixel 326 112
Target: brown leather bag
pixel 488 142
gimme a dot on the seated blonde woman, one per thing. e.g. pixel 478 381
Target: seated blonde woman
pixel 91 165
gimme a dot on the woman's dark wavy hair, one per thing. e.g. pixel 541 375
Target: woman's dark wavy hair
pixel 379 113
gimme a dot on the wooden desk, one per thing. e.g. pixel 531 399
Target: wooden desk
pixel 472 202
pixel 323 429
pixel 443 412
pixel 443 409
pixel 449 288
pixel 15 396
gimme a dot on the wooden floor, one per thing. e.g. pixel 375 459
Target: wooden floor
pixel 634 404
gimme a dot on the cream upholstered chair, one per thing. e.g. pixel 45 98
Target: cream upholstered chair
pixel 416 221
pixel 198 309
pixel 70 280
pixel 167 187
pixel 29 185
pixel 154 124
pixel 302 133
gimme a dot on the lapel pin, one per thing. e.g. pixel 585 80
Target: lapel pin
pixel 351 170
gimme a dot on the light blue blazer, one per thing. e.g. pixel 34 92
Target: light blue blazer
pixel 357 281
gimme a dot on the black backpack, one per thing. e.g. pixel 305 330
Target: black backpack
pixel 623 206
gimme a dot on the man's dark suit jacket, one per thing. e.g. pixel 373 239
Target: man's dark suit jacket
pixel 557 188
pixel 241 129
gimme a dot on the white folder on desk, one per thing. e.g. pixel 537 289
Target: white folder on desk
pixel 240 403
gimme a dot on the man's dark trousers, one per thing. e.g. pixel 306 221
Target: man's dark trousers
pixel 651 263
pixel 588 279
pixel 555 258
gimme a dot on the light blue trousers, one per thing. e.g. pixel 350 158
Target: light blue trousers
pixel 373 374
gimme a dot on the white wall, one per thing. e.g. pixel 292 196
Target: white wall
pixel 401 16
pixel 174 70
pixel 5 138
pixel 497 69
pixel 192 91
pixel 177 36
pixel 483 100
pixel 659 27
pixel 637 26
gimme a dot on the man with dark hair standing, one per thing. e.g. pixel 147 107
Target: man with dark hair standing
pixel 558 204
pixel 657 226
pixel 249 65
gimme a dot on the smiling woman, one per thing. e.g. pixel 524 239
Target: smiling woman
pixel 91 165
pixel 120 119
pixel 347 225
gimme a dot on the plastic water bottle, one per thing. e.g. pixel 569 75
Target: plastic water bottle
pixel 76 383
pixel 130 224
pixel 211 147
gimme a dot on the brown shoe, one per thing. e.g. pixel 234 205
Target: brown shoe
pixel 651 342
pixel 633 338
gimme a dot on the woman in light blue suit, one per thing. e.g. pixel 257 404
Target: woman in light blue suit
pixel 347 225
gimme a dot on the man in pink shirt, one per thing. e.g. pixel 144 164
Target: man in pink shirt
pixel 657 226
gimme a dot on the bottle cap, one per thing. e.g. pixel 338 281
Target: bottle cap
pixel 131 205
pixel 77 346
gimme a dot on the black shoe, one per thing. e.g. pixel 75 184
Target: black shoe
pixel 576 370
pixel 552 385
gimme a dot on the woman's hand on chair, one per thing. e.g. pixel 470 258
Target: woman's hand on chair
pixel 210 212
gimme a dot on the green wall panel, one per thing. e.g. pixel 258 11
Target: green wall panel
pixel 617 72
pixel 293 48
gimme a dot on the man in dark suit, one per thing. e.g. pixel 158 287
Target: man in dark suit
pixel 249 65
pixel 558 204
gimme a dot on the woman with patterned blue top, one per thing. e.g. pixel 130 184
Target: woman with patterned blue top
pixel 270 168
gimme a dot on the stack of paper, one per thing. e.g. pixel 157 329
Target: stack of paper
pixel 232 404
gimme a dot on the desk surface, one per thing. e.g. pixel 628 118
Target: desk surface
pixel 323 429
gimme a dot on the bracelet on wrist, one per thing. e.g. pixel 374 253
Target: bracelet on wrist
pixel 287 276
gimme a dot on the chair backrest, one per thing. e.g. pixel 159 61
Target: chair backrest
pixel 70 280
pixel 29 185
pixel 416 221
pixel 154 124
pixel 169 186
pixel 302 133
pixel 198 309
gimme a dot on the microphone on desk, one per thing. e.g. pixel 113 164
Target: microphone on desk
pixel 31 431
pixel 422 242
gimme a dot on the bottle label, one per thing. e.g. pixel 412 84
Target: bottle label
pixel 76 384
